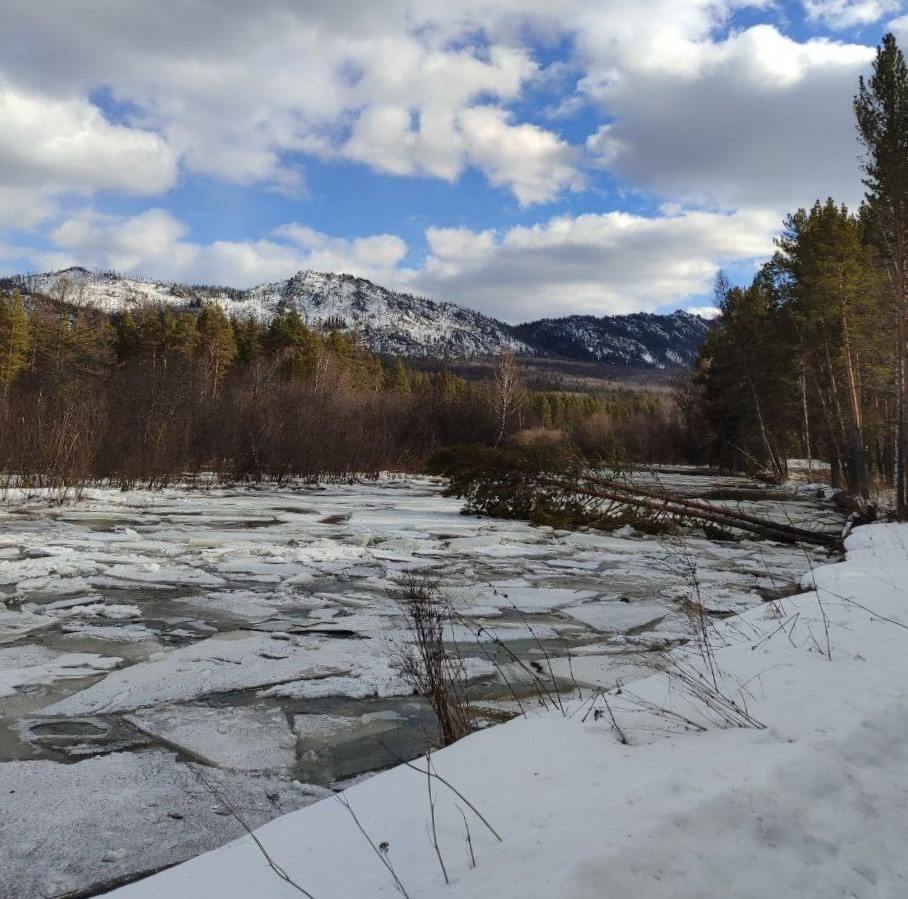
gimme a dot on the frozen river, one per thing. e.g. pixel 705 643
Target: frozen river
pixel 154 645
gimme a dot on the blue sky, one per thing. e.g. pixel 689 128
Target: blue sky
pixel 524 158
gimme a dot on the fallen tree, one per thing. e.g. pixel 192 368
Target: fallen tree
pixel 552 485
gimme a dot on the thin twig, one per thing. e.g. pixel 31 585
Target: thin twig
pixel 441 861
pixel 346 804
pixel 622 737
pixel 466 827
pixel 222 798
pixel 452 788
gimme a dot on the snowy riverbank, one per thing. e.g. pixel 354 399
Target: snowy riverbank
pixel 814 804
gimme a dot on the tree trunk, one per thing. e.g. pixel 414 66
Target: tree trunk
pixel 857 451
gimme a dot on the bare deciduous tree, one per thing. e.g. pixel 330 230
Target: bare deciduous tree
pixel 507 392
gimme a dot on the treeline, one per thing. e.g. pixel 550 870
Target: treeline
pixel 154 394
pixel 800 363
pixel 810 359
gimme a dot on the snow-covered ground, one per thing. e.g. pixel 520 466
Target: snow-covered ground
pixel 146 638
pixel 809 801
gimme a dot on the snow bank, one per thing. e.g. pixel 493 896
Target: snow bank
pixel 815 804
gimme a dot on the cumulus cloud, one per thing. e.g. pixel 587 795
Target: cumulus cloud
pixel 59 143
pixel 378 252
pixel 597 264
pixel 237 89
pixel 533 162
pixel 899 27
pixel 841 14
pixel 154 243
pixel 426 87
pixel 744 122
pixel 755 119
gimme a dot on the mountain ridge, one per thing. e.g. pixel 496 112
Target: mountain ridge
pixel 395 322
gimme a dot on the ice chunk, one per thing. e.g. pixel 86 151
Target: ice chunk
pixel 218 665
pixel 251 739
pixel 133 812
pixel 615 616
pixel 24 666
pixel 14 625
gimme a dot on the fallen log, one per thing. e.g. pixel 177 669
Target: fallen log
pixel 634 495
pixel 667 505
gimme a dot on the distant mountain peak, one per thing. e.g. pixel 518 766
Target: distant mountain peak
pixel 394 322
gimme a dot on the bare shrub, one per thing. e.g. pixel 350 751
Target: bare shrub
pixel 426 663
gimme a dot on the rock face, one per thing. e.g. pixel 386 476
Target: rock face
pixel 396 323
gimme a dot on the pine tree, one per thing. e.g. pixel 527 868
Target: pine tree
pixel 881 108
pixel 216 345
pixel 14 338
pixel 831 294
pixel 399 379
pixel 299 347
pixel 746 378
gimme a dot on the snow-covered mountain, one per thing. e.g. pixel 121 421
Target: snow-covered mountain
pixel 392 322
pixel 387 321
pixel 638 340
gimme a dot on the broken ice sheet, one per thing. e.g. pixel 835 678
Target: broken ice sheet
pixel 246 738
pixel 231 661
pixel 518 594
pixel 315 729
pixel 26 666
pixel 615 616
pixel 123 814
pixel 16 624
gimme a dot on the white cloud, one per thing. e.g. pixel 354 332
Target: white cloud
pixel 597 264
pixel 899 27
pixel 459 244
pixel 748 121
pixel 379 252
pixel 424 87
pixel 756 119
pixel 534 163
pixel 235 92
pixel 125 244
pixel 154 244
pixel 60 144
pixel 842 14
pixel 25 207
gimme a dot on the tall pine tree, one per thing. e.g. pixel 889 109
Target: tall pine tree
pixel 881 108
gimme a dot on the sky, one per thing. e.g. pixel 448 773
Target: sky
pixel 526 158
